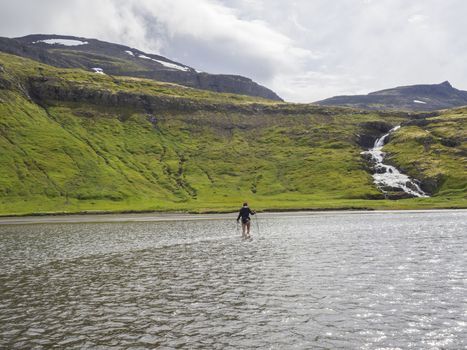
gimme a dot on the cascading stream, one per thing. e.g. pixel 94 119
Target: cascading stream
pixel 387 177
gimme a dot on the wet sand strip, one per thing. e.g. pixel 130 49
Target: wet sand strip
pixel 155 217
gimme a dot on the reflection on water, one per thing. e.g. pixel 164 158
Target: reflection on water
pixel 392 280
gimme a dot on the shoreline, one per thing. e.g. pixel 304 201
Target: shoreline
pixel 188 212
pixel 223 211
pixel 183 216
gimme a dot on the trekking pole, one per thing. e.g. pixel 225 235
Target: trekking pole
pixel 257 223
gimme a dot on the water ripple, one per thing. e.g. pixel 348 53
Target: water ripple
pixel 386 281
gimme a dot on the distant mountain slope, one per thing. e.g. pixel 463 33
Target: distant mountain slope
pixel 114 59
pixel 410 98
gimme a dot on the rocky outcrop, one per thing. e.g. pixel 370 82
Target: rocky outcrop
pixel 4 83
pixel 371 131
pixel 431 185
pixel 43 89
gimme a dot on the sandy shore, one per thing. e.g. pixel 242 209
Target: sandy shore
pixel 150 217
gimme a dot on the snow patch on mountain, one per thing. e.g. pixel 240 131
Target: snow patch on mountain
pixel 173 65
pixel 130 53
pixel 98 70
pixel 64 42
pixel 166 64
pixel 418 101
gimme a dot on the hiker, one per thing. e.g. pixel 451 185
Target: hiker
pixel 244 213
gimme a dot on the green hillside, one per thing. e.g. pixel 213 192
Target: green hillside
pixel 76 141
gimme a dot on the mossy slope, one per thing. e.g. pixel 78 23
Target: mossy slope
pixel 75 141
pixel 434 150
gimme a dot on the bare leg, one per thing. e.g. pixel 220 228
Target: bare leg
pixel 243 230
pixel 248 228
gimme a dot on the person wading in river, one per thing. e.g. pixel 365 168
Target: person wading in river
pixel 244 213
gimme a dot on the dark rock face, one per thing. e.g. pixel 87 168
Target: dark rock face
pixel 371 131
pixel 450 142
pixel 398 195
pixel 117 59
pixel 4 83
pixel 366 141
pixel 431 185
pixel 44 89
pixel 409 98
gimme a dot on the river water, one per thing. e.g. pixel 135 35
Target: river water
pixel 394 280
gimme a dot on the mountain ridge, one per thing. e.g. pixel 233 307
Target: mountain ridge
pixel 118 59
pixel 419 97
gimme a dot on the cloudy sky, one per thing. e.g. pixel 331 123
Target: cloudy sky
pixel 304 50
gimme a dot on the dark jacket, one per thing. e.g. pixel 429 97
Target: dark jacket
pixel 245 214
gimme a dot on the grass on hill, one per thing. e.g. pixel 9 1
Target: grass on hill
pixel 435 152
pixel 72 156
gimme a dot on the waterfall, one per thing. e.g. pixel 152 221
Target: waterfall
pixel 387 177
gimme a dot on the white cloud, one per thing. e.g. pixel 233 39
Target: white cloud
pixel 250 46
pixel 417 18
pixel 304 50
